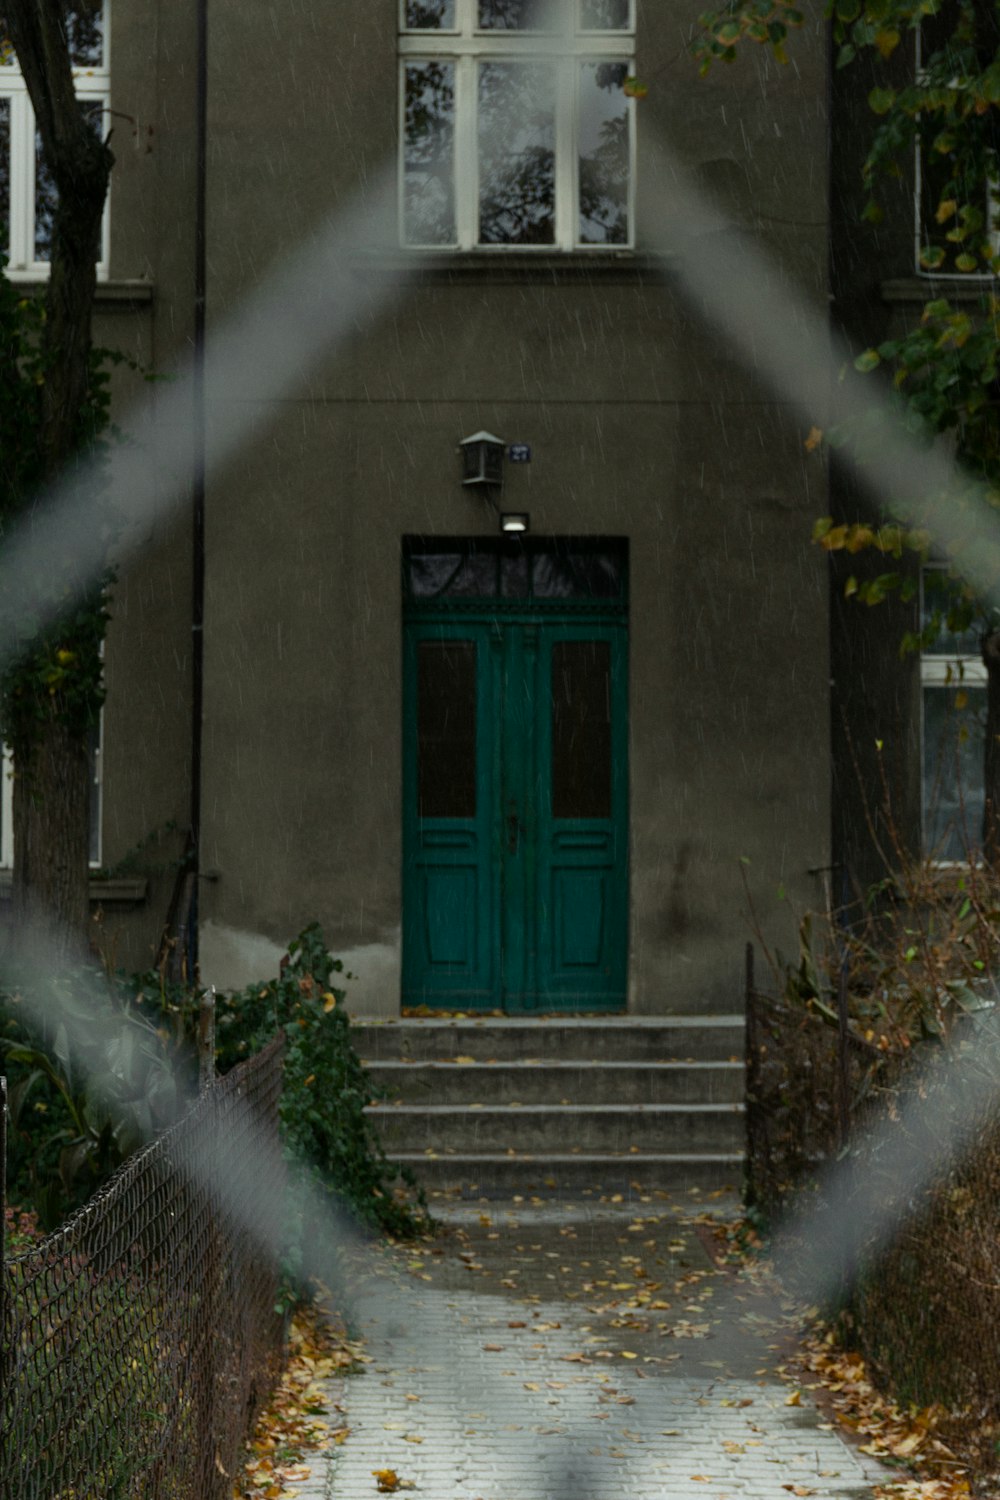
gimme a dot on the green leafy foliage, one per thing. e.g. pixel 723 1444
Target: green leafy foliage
pixel 766 22
pixel 119 1066
pixel 84 1092
pixel 326 1088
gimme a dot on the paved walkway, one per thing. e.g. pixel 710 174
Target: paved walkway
pixel 556 1352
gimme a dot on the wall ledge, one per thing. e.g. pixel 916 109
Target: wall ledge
pixel 109 296
pixel 505 267
pixel 921 289
pixel 105 890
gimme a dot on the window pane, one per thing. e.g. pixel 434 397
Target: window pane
pixel 576 575
pixel 429 154
pixel 430 15
pixel 514 576
pixel 604 15
pixel 514 15
pixel 85 33
pixel 453 575
pixel 45 188
pixel 517 153
pixel 604 154
pixel 954 729
pixel 581 729
pixel 446 729
pixel 5 174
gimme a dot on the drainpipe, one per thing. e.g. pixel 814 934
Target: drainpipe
pixel 198 479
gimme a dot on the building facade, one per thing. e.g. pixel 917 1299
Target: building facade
pixel 523 770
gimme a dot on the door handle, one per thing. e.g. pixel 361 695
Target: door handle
pixel 513 832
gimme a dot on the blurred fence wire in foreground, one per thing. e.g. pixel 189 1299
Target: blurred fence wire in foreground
pixel 881 1173
pixel 140 1338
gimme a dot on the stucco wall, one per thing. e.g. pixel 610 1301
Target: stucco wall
pixel 641 426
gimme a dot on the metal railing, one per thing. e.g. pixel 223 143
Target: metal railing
pixel 141 1337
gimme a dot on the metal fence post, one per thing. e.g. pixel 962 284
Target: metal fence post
pixel 750 1064
pixel 206 1040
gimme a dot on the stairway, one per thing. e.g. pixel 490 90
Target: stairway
pixel 512 1105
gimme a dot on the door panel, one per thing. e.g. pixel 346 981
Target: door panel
pixel 515 824
pixel 449 944
pixel 582 748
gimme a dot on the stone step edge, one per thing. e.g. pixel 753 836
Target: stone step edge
pixel 552 1020
pixel 562 1158
pixel 436 1111
pixel 534 1065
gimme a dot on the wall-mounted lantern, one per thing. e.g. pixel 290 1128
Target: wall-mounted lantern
pixel 482 459
pixel 514 523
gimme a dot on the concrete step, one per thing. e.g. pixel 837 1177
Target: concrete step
pixel 507 1175
pixel 551 1082
pixel 564 1104
pixel 557 1129
pixel 584 1039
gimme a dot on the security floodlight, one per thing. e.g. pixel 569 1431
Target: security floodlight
pixel 482 459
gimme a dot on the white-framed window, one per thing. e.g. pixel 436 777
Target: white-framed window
pixel 7 800
pixel 517 128
pixel 27 195
pixel 953 737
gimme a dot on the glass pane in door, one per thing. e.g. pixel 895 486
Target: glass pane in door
pixel 446 729
pixel 581 729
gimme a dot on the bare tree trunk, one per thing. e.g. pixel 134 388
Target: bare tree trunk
pixel 52 839
pixel 51 784
pixel 991 755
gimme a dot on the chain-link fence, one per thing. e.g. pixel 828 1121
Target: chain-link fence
pixel 919 1135
pixel 140 1338
pixel 810 1085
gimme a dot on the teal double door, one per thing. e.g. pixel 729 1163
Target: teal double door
pixel 515 813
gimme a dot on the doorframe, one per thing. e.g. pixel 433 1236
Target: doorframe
pixel 496 611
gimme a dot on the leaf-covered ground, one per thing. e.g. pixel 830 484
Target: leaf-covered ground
pixel 301 1421
pixel 668 1290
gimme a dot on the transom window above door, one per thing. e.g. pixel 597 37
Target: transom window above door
pixel 517 128
pixel 559 574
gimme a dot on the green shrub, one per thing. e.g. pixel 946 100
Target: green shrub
pixel 326 1087
pixel 89 1080
pixel 118 1066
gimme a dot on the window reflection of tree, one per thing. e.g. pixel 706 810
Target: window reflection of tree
pixel 604 171
pixel 85 33
pixel 604 15
pixel 429 129
pixel 514 15
pixel 430 15
pixel 516 154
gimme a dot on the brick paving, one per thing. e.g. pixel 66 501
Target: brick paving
pixel 508 1364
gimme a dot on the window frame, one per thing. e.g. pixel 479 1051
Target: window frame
pixel 92 84
pixel 95 756
pixel 466 45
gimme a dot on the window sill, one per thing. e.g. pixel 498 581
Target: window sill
pixel 504 267
pixel 104 890
pixel 921 289
pixel 109 296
